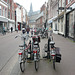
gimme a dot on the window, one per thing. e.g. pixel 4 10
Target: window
pixel 9 14
pixel 0 10
pixel 3 11
pixel 71 24
pixel 68 1
pixel 55 27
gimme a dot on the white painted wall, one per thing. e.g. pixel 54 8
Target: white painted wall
pixel 18 14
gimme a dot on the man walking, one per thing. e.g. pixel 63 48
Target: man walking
pixel 28 29
pixel 11 29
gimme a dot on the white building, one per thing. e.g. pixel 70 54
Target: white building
pixel 18 17
pixel 3 15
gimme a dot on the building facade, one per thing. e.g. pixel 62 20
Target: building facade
pixel 11 15
pixel 20 16
pixel 70 19
pixel 61 15
pixel 3 15
pixel 40 20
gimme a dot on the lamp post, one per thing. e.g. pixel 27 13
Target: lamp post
pixel 65 20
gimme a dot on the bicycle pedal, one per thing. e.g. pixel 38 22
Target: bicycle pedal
pixel 29 52
pixel 45 57
pixel 29 61
pixel 29 58
pixel 45 51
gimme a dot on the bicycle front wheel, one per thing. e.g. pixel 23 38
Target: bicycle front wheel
pixel 22 66
pixel 36 65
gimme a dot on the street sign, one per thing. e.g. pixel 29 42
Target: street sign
pixel 61 8
pixel 69 8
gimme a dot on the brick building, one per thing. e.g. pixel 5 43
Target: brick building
pixel 11 15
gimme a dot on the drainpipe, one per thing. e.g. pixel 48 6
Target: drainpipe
pixel 65 20
pixel 58 16
pixel 74 25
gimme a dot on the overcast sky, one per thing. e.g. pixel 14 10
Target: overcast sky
pixel 35 3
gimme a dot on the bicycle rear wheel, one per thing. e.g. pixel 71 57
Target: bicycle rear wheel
pixel 22 66
pixel 54 64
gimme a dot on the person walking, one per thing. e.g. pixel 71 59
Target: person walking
pixel 28 29
pixel 4 31
pixel 11 29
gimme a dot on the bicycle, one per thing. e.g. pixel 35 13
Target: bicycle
pixel 52 53
pixel 23 53
pixel 36 50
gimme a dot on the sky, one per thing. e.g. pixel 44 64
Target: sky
pixel 35 3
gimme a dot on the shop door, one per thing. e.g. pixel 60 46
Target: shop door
pixel 67 25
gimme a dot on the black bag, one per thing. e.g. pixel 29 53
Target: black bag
pixel 58 55
pixel 58 58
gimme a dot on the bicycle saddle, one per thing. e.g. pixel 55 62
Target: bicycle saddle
pixel 21 45
pixel 52 43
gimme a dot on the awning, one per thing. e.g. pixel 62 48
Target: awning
pixel 11 20
pixel 3 19
pixel 51 20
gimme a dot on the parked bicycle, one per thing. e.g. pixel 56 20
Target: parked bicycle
pixel 52 53
pixel 23 52
pixel 36 49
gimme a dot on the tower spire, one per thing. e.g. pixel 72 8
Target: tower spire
pixel 31 8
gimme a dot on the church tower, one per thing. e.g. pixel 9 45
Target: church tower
pixel 31 10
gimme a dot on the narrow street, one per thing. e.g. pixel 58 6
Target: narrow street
pixel 9 64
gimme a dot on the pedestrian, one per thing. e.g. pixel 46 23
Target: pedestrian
pixel 28 29
pixel 3 30
pixel 11 29
pixel 50 29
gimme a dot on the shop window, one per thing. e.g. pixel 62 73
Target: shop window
pixel 5 12
pixel 55 27
pixel 9 14
pixel 71 25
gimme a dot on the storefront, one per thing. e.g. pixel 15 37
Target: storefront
pixel 70 24
pixel 19 26
pixel 11 23
pixel 3 23
pixel 61 23
pixel 55 25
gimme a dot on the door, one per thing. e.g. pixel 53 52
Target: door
pixel 67 25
